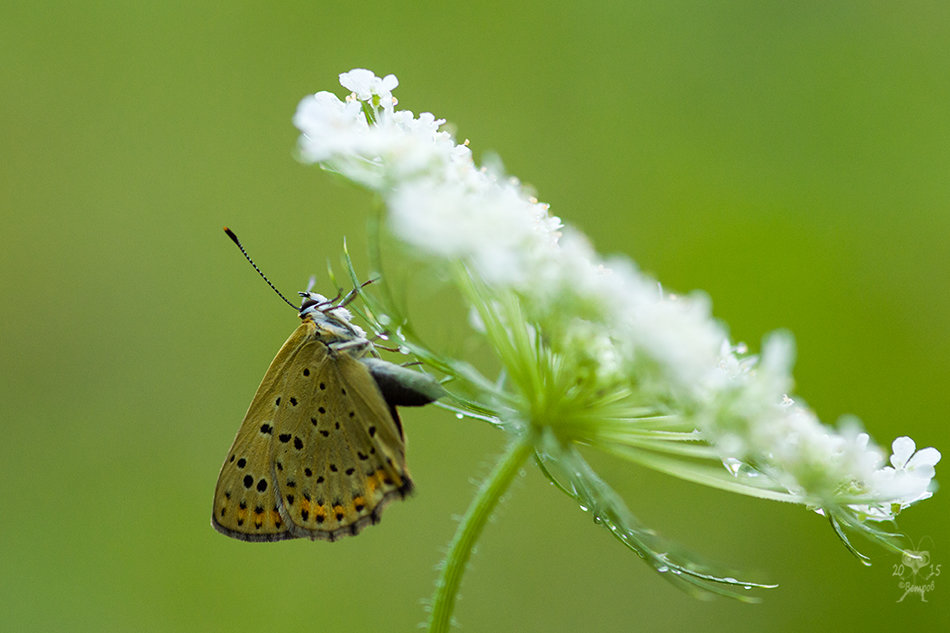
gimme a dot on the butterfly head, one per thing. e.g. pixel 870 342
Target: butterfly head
pixel 329 315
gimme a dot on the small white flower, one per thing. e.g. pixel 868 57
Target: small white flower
pixel 906 457
pixel 907 479
pixel 365 85
pixel 329 126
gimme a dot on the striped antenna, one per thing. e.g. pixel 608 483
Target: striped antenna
pixel 263 276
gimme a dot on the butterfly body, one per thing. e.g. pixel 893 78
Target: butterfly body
pixel 321 450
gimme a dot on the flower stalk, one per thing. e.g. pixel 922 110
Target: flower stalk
pixel 470 528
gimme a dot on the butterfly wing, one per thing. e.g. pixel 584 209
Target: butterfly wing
pixel 319 453
pixel 339 456
pixel 246 505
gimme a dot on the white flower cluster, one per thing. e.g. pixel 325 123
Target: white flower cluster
pixel 444 206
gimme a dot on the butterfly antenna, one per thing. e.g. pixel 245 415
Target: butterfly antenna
pixel 235 239
pixel 355 291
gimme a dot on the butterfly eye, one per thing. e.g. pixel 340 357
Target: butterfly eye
pixel 309 303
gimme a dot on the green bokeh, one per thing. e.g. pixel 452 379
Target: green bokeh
pixel 790 159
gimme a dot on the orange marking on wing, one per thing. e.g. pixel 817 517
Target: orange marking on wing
pixel 380 477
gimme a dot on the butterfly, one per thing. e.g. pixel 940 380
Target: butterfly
pixel 321 450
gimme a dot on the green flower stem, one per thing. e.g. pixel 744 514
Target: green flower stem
pixel 470 528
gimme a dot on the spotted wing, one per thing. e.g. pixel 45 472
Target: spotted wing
pixel 339 456
pixel 246 506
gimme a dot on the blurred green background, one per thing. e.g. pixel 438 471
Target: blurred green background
pixel 791 159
